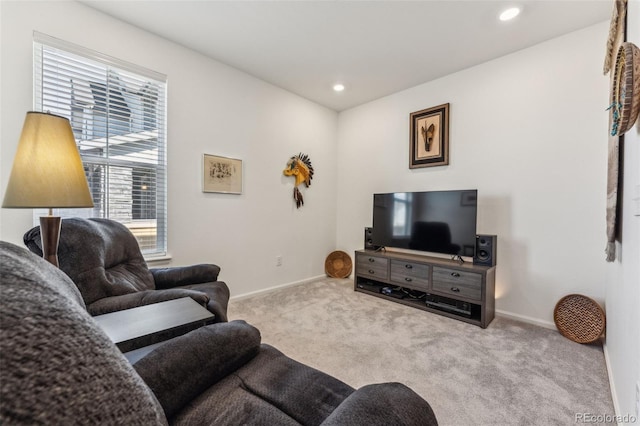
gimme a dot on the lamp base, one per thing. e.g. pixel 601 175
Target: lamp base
pixel 50 234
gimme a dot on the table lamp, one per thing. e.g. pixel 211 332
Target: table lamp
pixel 47 172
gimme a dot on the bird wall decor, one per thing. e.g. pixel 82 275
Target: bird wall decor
pixel 299 166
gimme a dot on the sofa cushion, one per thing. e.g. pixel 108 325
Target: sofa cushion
pixel 271 389
pixel 57 366
pixel 101 256
pixel 184 367
pixel 383 404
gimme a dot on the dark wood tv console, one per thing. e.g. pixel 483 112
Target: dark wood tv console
pixel 462 291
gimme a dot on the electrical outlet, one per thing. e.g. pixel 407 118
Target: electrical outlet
pixel 278 260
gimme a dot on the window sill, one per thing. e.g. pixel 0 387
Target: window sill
pixel 158 259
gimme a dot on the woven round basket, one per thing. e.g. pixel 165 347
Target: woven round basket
pixel 579 318
pixel 338 265
pixel 625 89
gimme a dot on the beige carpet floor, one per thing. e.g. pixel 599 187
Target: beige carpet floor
pixel 511 373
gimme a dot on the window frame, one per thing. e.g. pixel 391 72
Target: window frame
pixel 156 163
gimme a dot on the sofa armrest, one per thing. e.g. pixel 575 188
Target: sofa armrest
pixel 383 404
pixel 184 275
pixel 141 298
pixel 184 367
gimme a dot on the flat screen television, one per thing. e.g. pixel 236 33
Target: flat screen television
pixel 433 221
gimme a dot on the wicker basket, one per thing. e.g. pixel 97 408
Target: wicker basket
pixel 338 265
pixel 579 318
pixel 625 93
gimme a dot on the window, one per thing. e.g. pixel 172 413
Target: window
pixel 402 214
pixel 117 112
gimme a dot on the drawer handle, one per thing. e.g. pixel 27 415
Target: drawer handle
pixel 371 271
pixel 371 259
pixel 408 266
pixel 456 289
pixel 455 274
pixel 408 279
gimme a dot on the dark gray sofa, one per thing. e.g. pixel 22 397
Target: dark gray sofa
pixel 57 367
pixel 103 259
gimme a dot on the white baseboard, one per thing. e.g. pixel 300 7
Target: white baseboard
pixel 276 287
pixel 614 395
pixel 524 318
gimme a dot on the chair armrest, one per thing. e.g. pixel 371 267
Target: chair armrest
pixel 141 298
pixel 383 404
pixel 184 275
pixel 184 367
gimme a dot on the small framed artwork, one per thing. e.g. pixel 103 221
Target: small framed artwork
pixel 221 174
pixel 429 140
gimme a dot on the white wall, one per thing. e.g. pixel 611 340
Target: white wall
pixel 623 276
pixel 213 109
pixel 528 131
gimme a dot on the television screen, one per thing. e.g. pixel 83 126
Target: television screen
pixel 434 221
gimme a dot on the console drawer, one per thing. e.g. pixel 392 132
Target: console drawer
pixel 457 283
pixel 409 274
pixel 372 266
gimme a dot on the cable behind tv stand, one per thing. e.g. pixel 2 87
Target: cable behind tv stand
pixel 465 292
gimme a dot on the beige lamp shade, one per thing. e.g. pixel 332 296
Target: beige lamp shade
pixel 47 170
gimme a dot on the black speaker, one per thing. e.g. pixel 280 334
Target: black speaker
pixel 486 246
pixel 368 239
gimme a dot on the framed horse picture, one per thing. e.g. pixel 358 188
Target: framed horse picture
pixel 429 137
pixel 221 174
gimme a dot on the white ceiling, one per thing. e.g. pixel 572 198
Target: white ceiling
pixel 374 48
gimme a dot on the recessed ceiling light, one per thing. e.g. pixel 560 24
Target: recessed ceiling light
pixel 338 87
pixel 509 14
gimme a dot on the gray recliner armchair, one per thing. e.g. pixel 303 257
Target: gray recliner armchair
pixel 103 259
pixel 59 368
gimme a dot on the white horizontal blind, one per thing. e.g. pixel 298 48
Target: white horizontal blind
pixel 118 115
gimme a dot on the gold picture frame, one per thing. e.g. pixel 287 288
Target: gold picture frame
pixel 429 137
pixel 221 174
